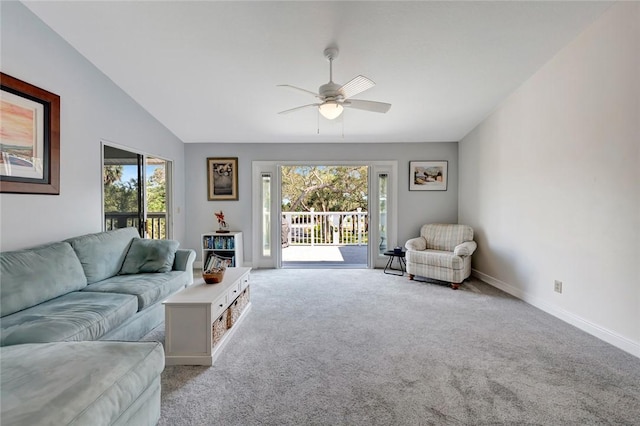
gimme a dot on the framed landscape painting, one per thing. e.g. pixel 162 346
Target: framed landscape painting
pixel 428 175
pixel 29 138
pixel 222 179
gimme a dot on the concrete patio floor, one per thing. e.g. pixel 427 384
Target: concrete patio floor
pixel 296 256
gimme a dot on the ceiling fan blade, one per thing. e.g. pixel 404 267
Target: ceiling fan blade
pixel 299 89
pixel 372 106
pixel 287 111
pixel 355 86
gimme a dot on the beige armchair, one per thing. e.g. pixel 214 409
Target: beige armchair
pixel 441 252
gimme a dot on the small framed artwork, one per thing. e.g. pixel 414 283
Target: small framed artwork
pixel 222 179
pixel 29 138
pixel 428 175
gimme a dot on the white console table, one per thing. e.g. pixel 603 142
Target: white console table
pixel 190 314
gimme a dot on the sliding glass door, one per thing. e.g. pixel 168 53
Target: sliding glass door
pixel 135 189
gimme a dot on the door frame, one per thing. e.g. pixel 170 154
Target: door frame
pixel 259 168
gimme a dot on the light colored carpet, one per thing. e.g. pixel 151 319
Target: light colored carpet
pixel 358 347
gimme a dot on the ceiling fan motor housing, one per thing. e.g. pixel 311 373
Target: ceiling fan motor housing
pixel 331 92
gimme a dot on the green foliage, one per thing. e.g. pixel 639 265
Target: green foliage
pixel 156 191
pixel 324 188
pixel 112 174
pixel 122 196
pixel 118 196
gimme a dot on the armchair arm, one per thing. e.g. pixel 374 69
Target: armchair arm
pixel 465 249
pixel 418 243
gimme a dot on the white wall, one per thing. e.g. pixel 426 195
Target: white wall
pixel 93 108
pixel 551 183
pixel 414 208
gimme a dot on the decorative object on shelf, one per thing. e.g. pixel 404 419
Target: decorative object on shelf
pixel 223 227
pixel 29 138
pixel 428 175
pixel 213 270
pixel 222 179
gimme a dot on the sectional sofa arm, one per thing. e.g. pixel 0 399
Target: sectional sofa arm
pixel 418 243
pixel 465 249
pixel 184 260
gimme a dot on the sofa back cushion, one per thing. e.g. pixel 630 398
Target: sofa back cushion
pixel 445 236
pixel 33 276
pixel 103 253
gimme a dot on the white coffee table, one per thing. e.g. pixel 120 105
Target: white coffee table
pixel 190 314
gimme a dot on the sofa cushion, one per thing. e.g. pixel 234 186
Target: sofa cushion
pixel 74 316
pixel 437 258
pixel 32 276
pixel 102 254
pixel 80 383
pixel 445 236
pixel 149 256
pixel 148 288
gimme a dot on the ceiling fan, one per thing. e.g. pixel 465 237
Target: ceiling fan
pixel 334 97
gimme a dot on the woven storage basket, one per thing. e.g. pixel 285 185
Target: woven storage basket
pixel 238 306
pixel 243 299
pixel 234 314
pixel 219 327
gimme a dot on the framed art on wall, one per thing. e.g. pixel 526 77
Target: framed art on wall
pixel 29 138
pixel 428 175
pixel 222 179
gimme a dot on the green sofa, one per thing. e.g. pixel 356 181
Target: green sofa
pixel 69 311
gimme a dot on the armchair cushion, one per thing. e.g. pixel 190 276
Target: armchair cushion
pixel 436 258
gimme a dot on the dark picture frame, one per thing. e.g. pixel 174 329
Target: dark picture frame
pixel 29 138
pixel 428 175
pixel 222 179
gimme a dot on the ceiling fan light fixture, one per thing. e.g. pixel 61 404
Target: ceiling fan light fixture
pixel 331 110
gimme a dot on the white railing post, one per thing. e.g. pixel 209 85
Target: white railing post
pixel 359 209
pixel 287 219
pixel 312 219
pixel 335 223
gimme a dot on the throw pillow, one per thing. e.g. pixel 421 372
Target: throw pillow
pixel 149 256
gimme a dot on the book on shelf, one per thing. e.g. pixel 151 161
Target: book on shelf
pixel 212 242
pixel 215 260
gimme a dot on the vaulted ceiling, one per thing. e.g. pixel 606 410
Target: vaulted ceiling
pixel 209 70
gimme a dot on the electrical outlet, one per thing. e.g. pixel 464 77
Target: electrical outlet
pixel 557 286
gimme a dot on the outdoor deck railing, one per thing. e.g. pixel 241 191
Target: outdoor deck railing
pixel 326 228
pixel 156 223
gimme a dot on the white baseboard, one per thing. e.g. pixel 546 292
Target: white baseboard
pixel 595 330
